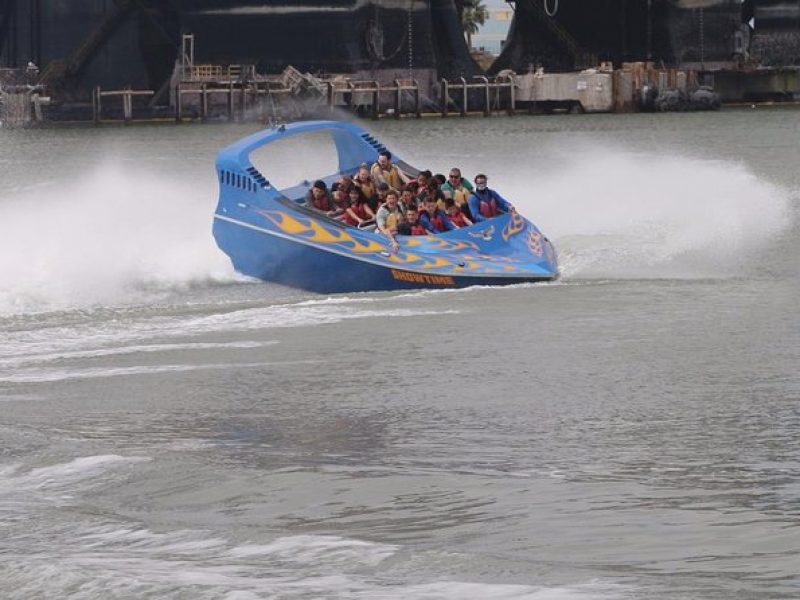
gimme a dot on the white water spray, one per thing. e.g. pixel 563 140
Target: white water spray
pixel 617 215
pixel 111 237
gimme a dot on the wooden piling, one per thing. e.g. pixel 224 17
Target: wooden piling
pixel 331 96
pixel 376 102
pixel 230 101
pixel 203 102
pixel 178 102
pixel 464 96
pixel 96 107
pixel 398 98
pixel 487 104
pixel 445 97
pixel 512 96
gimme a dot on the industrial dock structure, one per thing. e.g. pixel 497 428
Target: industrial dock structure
pixel 199 57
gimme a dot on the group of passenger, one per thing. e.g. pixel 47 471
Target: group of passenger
pixel 401 205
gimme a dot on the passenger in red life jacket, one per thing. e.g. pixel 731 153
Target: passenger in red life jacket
pixel 411 225
pixel 433 218
pixel 458 218
pixel 485 203
pixel 318 197
pixel 359 211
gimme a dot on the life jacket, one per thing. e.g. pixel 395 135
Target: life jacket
pixel 458 219
pixel 393 219
pixel 323 204
pixel 460 195
pixel 368 188
pixel 348 219
pixel 437 221
pixel 488 207
pixel 391 177
pixel 417 229
pixel 360 211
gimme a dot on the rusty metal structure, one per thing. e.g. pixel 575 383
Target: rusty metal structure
pixel 78 46
pixel 116 43
pixel 563 35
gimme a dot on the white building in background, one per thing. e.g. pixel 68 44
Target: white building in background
pixel 491 37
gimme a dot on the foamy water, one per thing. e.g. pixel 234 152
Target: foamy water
pixel 111 236
pixel 616 214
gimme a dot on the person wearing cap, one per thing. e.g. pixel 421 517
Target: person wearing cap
pixel 318 197
pixel 383 171
pixel 459 189
pixel 485 203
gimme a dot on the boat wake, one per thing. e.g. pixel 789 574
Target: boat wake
pixel 113 236
pixel 102 554
pixel 624 216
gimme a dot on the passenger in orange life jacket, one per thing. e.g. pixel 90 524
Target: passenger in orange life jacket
pixel 364 182
pixel 318 197
pixel 485 203
pixel 383 171
pixel 411 225
pixel 388 216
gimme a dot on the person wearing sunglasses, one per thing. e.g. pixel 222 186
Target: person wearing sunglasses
pixel 459 189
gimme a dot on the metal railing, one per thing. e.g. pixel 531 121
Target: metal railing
pixel 127 96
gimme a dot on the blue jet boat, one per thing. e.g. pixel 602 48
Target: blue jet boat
pixel 270 234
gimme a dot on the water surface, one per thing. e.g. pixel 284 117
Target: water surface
pixel 172 430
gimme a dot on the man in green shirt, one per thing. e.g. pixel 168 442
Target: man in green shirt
pixel 459 189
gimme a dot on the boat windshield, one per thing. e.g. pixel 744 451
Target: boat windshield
pixel 305 156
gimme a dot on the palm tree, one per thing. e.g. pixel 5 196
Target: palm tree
pixel 474 15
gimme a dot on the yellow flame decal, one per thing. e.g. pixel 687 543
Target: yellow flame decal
pixel 324 236
pixel 284 222
pixel 515 224
pixel 315 231
pixel 535 243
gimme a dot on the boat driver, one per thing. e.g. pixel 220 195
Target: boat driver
pixel 383 171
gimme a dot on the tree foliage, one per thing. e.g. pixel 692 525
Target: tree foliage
pixel 474 15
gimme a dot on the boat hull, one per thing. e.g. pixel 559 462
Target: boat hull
pixel 257 253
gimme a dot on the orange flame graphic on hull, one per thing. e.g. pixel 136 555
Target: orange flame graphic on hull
pixel 515 224
pixel 290 225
